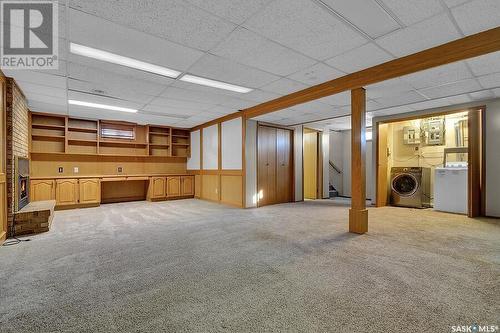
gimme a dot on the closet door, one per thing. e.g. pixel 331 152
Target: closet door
pixel 266 179
pixel 284 165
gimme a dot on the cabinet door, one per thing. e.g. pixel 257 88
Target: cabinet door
pixel 42 190
pixel 66 192
pixel 173 186
pixel 90 191
pixel 157 187
pixel 266 174
pixel 187 185
pixel 284 165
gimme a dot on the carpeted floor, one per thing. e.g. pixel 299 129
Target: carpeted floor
pixel 196 266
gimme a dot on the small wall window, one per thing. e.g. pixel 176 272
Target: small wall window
pixel 118 131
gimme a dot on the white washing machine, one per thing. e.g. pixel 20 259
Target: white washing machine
pixel 450 190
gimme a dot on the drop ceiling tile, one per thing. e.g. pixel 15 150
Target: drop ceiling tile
pixel 61 102
pixel 221 69
pixel 174 20
pixel 430 104
pixel 111 91
pixel 454 3
pixel 366 15
pixel 284 86
pixel 393 110
pixel 490 81
pixel 220 109
pixel 174 112
pixel 411 11
pixel 496 92
pixel 194 95
pixel 455 88
pixel 259 96
pixel 248 48
pixel 305 27
pixel 426 34
pixel 313 107
pixel 316 74
pixel 49 80
pixel 236 11
pixel 482 95
pixel 198 88
pixel 238 103
pixel 360 58
pixel 39 106
pixel 459 99
pixel 32 88
pixel 105 35
pixel 82 96
pixel 400 99
pixel 486 64
pixel 476 16
pixel 341 99
pixel 388 88
pixel 180 104
pixel 437 76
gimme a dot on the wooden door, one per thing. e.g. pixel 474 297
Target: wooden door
pixel 3 157
pixel 310 164
pixel 90 191
pixel 187 186
pixel 66 192
pixel 42 190
pixel 266 168
pixel 284 173
pixel 158 186
pixel 382 166
pixel 173 186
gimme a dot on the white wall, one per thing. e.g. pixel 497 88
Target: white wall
pixel 210 147
pixel 251 163
pixel 193 162
pixel 231 144
pixel 492 157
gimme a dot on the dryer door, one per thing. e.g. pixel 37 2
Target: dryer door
pixel 405 184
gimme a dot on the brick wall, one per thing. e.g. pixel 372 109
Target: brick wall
pixel 17 113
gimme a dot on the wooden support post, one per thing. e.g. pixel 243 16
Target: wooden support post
pixel 358 215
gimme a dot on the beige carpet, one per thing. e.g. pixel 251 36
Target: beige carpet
pixel 196 266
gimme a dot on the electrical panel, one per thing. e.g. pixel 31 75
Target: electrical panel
pixel 411 135
pixel 433 130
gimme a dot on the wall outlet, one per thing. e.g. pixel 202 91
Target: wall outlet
pixel 75 170
pixel 120 169
pixel 60 170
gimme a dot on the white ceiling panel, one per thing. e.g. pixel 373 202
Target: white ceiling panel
pixel 52 100
pixel 206 97
pixel 236 11
pixel 248 48
pixel 367 15
pixel 306 27
pixel 455 88
pixel 284 86
pixel 486 64
pixel 482 95
pixel 108 36
pixel 478 15
pixel 496 92
pixel 81 96
pixel 413 11
pixel 450 73
pixel 360 58
pixel 430 104
pixel 459 99
pixel 392 110
pixel 400 99
pixel 313 107
pixel 388 88
pixel 174 20
pixel 49 80
pixel 47 106
pixel 180 104
pixel 237 103
pixel 342 99
pixel 316 74
pixel 490 81
pixel 217 68
pixel 454 3
pixel 259 96
pixel 426 34
pixel 174 112
pixel 222 110
pixel 32 88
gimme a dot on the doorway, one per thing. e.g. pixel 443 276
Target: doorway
pixel 442 144
pixel 274 165
pixel 313 172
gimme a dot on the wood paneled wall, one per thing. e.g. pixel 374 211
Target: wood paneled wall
pixel 220 185
pixel 3 156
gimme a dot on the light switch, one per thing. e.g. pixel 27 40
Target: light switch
pixel 75 170
pixel 120 169
pixel 60 170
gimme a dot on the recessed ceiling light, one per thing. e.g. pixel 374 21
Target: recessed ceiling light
pixel 215 84
pixel 121 60
pixel 101 106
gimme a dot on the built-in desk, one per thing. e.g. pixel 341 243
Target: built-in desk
pixel 92 190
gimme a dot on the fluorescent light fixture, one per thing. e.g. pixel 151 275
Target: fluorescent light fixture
pixel 121 60
pixel 215 84
pixel 101 106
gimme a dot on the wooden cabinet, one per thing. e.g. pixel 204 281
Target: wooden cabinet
pixel 187 185
pixel 173 186
pixel 157 187
pixel 66 192
pixel 90 191
pixel 42 190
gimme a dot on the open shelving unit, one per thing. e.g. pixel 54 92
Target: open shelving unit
pixel 57 134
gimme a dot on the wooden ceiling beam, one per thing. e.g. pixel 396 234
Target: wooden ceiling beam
pixel 468 47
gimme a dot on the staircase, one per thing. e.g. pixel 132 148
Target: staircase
pixel 331 189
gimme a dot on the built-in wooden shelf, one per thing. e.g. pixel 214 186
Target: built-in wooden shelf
pixel 57 134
